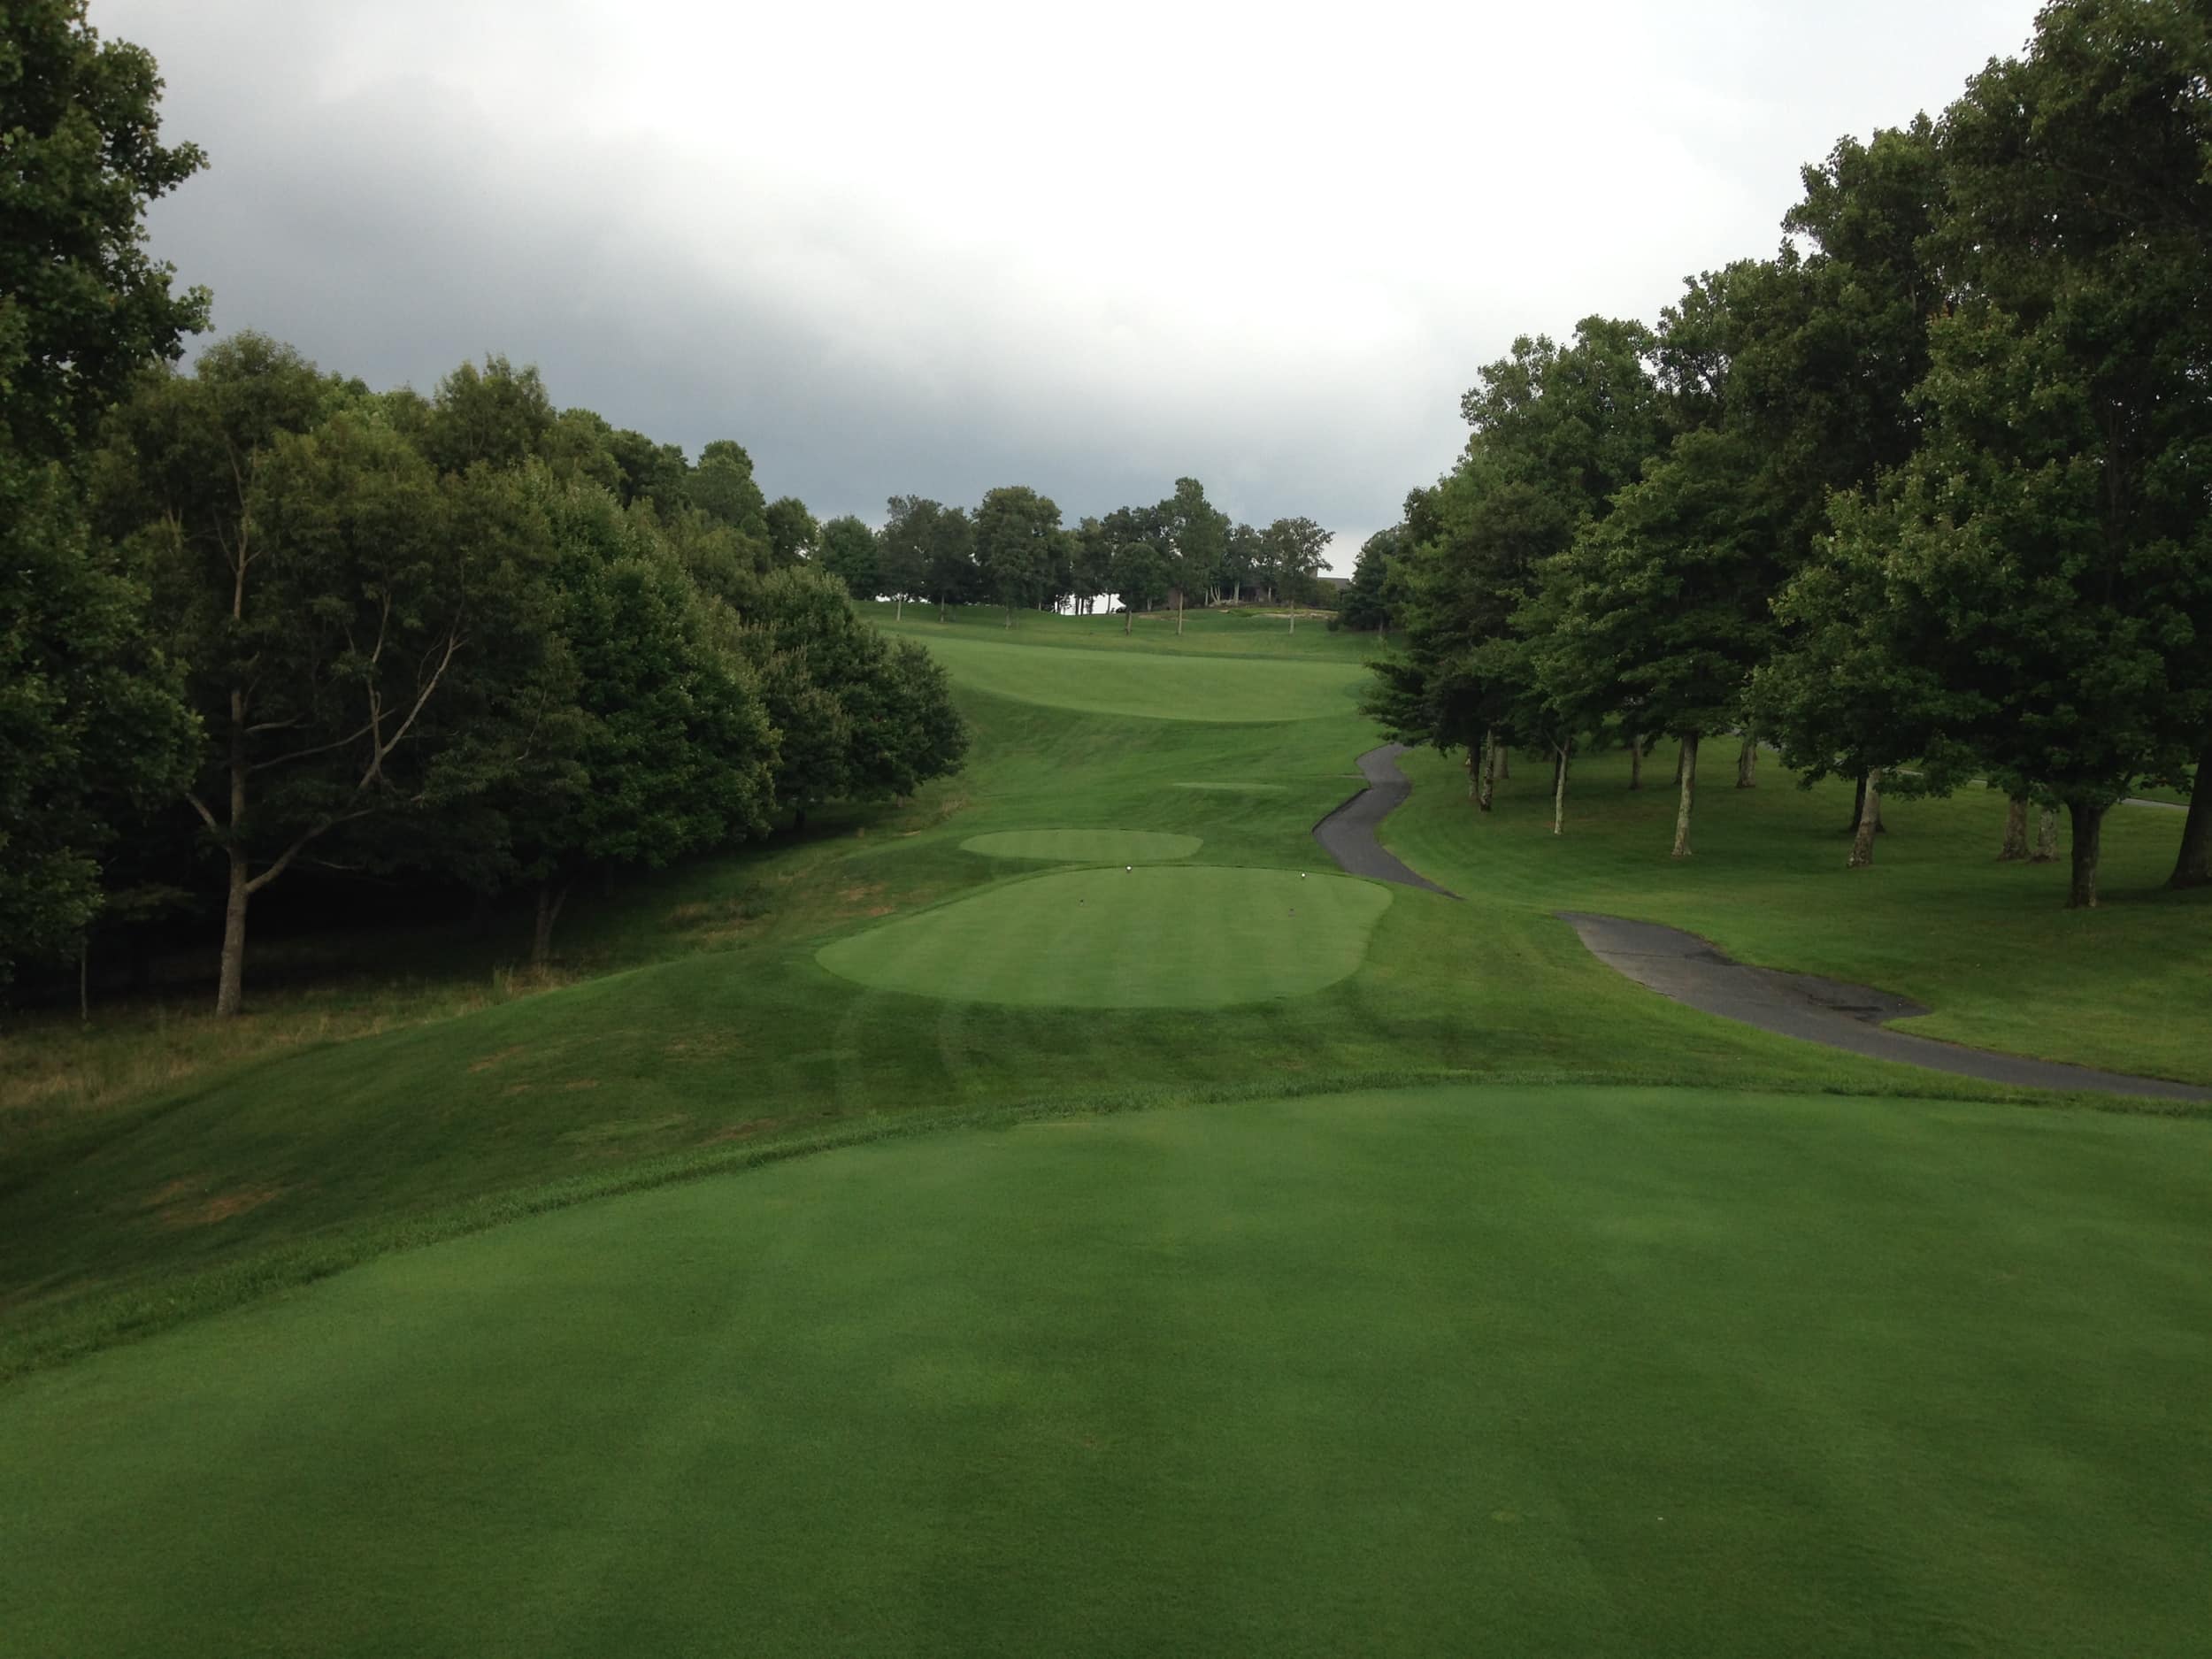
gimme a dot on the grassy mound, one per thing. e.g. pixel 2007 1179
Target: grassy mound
pixel 1561 1371
pixel 1161 936
pixel 1150 686
pixel 1085 845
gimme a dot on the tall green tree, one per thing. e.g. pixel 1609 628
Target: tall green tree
pixel 793 534
pixel 84 307
pixel 92 721
pixel 92 727
pixel 339 638
pixel 1197 539
pixel 1557 433
pixel 2053 546
pixel 722 487
pixel 1016 531
pixel 1296 549
pixel 1367 602
pixel 1140 577
pixel 848 553
pixel 668 747
pixel 496 415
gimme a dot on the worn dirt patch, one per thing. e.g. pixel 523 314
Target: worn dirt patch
pixel 744 1131
pixel 188 1202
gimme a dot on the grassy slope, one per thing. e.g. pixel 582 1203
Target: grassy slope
pixel 751 1039
pixel 1988 946
pixel 1572 1371
pixel 730 1037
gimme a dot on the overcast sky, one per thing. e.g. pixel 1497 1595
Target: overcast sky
pixel 932 248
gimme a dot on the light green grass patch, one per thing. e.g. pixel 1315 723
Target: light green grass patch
pixel 1085 845
pixel 1236 788
pixel 1239 690
pixel 1459 1371
pixel 1160 936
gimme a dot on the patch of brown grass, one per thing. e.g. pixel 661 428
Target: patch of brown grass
pixel 186 1203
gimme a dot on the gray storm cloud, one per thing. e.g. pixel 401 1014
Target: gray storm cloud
pixel 1090 252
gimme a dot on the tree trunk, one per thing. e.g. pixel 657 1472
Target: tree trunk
pixel 2192 865
pixel 1559 790
pixel 1677 770
pixel 1505 762
pixel 1869 819
pixel 230 984
pixel 1686 765
pixel 550 902
pixel 1489 771
pixel 1748 763
pixel 1474 776
pixel 84 981
pixel 898 606
pixel 1635 763
pixel 1128 617
pixel 1179 613
pixel 798 821
pixel 2088 824
pixel 2015 843
pixel 2046 837
pixel 1294 616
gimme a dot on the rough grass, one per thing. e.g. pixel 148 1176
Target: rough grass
pixel 1577 1372
pixel 1150 685
pixel 1084 847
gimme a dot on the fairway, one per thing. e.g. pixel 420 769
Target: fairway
pixel 1085 847
pixel 1163 936
pixel 1558 1371
pixel 1150 685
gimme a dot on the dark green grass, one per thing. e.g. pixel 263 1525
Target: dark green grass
pixel 1230 631
pixel 1084 847
pixel 1160 936
pixel 148 1212
pixel 1570 1371
pixel 1989 946
pixel 1149 685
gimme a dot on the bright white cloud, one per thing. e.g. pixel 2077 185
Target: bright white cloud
pixel 894 248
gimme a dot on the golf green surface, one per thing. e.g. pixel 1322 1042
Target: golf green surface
pixel 1477 1370
pixel 1085 845
pixel 1151 685
pixel 1159 936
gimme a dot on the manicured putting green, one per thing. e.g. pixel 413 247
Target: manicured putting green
pixel 1240 690
pixel 1159 936
pixel 1553 1371
pixel 1085 845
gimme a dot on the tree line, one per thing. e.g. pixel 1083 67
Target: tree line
pixel 255 616
pixel 1923 499
pixel 1013 549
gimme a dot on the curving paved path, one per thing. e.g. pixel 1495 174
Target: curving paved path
pixel 1692 971
pixel 1347 834
pixel 1686 969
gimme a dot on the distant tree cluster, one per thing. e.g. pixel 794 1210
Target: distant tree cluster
pixel 254 615
pixel 1925 497
pixel 1013 550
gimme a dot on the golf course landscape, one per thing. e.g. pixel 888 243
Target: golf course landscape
pixel 1064 1213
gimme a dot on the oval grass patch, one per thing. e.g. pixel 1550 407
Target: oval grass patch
pixel 1085 845
pixel 1161 936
